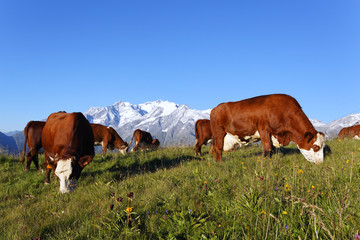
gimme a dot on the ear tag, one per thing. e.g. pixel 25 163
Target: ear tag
pixel 49 166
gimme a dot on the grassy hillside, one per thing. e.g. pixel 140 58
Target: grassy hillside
pixel 169 194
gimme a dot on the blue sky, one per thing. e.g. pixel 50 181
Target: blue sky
pixel 73 55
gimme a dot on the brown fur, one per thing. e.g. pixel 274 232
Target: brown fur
pixel 202 134
pixel 278 114
pixel 67 135
pixel 349 132
pixel 109 137
pixel 32 133
pixel 144 140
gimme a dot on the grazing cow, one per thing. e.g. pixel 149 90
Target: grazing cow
pixel 32 133
pixel 68 143
pixel 274 119
pixel 350 132
pixel 144 141
pixel 107 137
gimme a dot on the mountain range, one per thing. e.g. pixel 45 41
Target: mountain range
pixel 171 123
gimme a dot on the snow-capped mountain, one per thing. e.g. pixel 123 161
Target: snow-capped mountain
pixel 171 123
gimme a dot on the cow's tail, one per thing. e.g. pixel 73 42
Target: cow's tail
pixel 130 142
pixel 22 159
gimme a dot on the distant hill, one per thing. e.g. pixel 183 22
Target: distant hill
pixel 7 144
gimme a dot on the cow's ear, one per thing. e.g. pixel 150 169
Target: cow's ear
pixel 308 137
pixel 85 160
pixel 49 165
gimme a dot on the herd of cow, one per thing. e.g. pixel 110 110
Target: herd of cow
pixel 68 139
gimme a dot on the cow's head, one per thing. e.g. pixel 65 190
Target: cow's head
pixel 155 143
pixel 123 147
pixel 312 147
pixel 68 170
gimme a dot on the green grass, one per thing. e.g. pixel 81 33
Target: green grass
pixel 178 196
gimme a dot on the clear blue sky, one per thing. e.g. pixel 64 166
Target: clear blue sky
pixel 73 55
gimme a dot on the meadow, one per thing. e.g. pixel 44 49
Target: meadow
pixel 170 194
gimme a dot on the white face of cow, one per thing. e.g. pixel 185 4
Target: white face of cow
pixel 311 155
pixel 123 151
pixel 63 170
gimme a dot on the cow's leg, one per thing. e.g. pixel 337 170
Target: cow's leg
pixel 218 144
pixel 48 172
pixel 29 157
pixel 265 137
pixel 36 161
pixel 198 145
pixel 104 151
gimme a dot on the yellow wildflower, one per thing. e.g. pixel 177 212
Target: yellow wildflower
pixel 219 226
pixel 284 212
pixel 312 186
pixel 263 212
pixel 276 174
pixel 129 209
pixel 244 167
pixel 242 163
pixel 347 161
pixel 287 187
pixel 300 171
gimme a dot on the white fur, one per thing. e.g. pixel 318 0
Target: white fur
pixel 99 143
pixel 123 151
pixel 230 142
pixel 63 171
pixel 256 135
pixel 311 155
pixel 356 137
pixel 275 142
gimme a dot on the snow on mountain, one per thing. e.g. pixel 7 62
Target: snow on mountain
pixel 171 123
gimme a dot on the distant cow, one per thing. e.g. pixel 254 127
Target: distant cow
pixel 274 119
pixel 144 141
pixel 68 143
pixel 350 132
pixel 107 137
pixel 32 133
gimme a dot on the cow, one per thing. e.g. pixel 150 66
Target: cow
pixel 32 133
pixel 68 143
pixel 144 141
pixel 107 137
pixel 275 119
pixel 204 136
pixel 350 132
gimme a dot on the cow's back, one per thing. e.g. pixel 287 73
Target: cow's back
pixel 246 116
pixel 68 134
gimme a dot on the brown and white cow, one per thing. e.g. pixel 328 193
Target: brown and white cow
pixel 107 137
pixel 68 142
pixel 32 133
pixel 144 141
pixel 350 132
pixel 274 119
